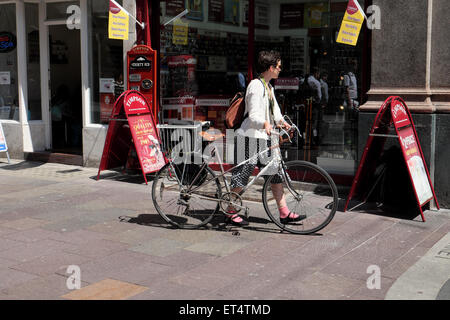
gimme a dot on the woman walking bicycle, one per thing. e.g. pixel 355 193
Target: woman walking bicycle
pixel 254 135
pixel 298 196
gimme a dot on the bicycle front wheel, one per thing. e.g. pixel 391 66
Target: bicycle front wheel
pixel 181 207
pixel 309 191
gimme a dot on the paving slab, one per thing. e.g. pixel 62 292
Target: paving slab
pixel 71 224
pixel 31 235
pixel 160 247
pixel 9 277
pixel 30 251
pixel 52 263
pixel 24 224
pixel 108 289
pixel 219 245
pixel 96 249
pixel 50 287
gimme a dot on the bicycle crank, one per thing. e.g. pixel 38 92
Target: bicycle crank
pixel 232 199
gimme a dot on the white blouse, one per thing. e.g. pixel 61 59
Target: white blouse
pixel 257 107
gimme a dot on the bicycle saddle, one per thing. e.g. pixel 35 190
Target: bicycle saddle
pixel 211 136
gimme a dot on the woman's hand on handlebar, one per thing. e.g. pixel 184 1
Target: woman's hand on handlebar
pixel 284 125
pixel 268 127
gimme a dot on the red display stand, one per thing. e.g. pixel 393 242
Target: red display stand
pixel 132 126
pixel 394 112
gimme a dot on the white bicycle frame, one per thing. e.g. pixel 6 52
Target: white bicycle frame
pixel 276 158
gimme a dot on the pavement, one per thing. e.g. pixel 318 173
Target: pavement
pixel 66 236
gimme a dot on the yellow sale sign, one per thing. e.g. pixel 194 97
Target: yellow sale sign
pixel 351 24
pixel 118 23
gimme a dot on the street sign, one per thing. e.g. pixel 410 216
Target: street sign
pixel 394 112
pixel 136 131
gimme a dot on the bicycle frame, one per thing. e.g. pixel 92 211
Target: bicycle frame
pixel 277 158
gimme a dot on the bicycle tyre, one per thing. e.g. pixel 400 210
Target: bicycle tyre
pixel 168 207
pixel 316 197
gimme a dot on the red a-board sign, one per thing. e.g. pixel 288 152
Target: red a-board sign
pixel 132 125
pixel 394 111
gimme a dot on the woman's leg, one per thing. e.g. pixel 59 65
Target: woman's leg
pixel 278 194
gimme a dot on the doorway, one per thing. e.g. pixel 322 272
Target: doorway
pixel 65 89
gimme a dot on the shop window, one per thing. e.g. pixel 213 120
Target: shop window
pixel 9 102
pixel 305 34
pixel 33 61
pixel 203 54
pixel 106 63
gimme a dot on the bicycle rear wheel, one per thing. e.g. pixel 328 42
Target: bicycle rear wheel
pixel 179 206
pixel 310 191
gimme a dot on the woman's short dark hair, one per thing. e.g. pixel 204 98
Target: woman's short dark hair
pixel 267 59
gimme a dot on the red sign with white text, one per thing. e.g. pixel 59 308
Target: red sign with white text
pixel 143 130
pixel 410 148
pixel 137 130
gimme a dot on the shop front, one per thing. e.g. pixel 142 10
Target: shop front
pixel 62 74
pixel 59 77
pixel 209 54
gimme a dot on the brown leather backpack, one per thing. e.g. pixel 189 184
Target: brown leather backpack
pixel 235 113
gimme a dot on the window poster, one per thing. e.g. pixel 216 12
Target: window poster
pixel 261 15
pixel 216 10
pixel 232 12
pixel 195 8
pixel 291 15
pixel 5 78
pixel 174 7
pixel 314 14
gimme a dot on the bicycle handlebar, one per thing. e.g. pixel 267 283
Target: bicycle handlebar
pixel 287 133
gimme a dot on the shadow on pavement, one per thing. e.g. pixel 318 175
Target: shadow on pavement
pixel 134 177
pixel 217 223
pixel 22 165
pixel 406 212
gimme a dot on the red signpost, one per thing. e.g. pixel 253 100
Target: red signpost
pixel 132 126
pixel 394 111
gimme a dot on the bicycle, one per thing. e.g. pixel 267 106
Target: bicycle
pixel 189 195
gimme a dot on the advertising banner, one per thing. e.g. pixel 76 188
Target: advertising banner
pixel 137 132
pixel 411 152
pixel 118 22
pixel 351 24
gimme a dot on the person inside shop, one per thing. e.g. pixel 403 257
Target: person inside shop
pixel 118 85
pixel 317 106
pixel 254 135
pixel 351 88
pixel 324 88
pixel 240 82
pixel 60 111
